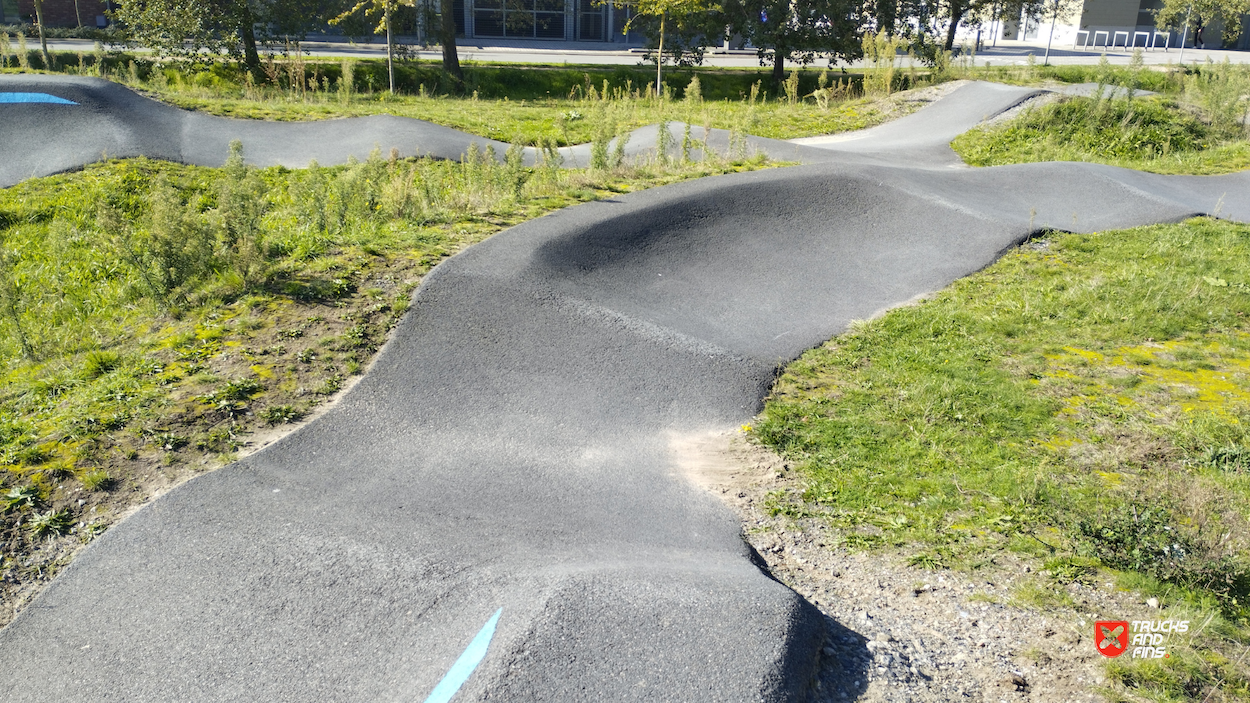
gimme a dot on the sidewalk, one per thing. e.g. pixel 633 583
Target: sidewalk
pixel 1006 53
pixel 1010 52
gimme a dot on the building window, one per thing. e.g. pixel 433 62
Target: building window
pixel 522 19
pixel 591 20
pixel 8 12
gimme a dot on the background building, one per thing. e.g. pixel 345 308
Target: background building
pixel 1125 16
pixel 555 20
pixel 56 13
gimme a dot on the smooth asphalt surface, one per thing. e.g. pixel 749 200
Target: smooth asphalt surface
pixel 509 453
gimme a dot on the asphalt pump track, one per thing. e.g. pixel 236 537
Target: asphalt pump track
pixel 495 507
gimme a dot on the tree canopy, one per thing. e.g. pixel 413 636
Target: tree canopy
pixel 1228 13
pixel 195 30
pixel 798 30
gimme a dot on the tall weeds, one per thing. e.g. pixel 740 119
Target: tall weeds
pixel 1223 92
pixel 23 52
pixel 880 51
pixel 170 239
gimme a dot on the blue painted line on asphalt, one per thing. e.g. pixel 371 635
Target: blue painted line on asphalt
pixel 464 666
pixel 28 98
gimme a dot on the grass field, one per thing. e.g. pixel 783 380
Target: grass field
pixel 1085 402
pixel 1197 125
pixel 529 104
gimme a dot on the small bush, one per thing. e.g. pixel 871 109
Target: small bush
pixel 330 386
pixel 1151 540
pixel 280 414
pixel 21 497
pixel 1232 459
pixel 1141 128
pixel 51 523
pixel 99 363
pixel 236 391
pixel 97 480
pixel 1223 91
pixel 170 442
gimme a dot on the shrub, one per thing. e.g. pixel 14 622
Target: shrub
pixel 51 523
pixel 22 497
pixel 1152 540
pixel 280 414
pixel 1233 458
pixel 97 480
pixel 99 363
pixel 1223 92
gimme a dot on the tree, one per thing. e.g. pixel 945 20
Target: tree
pixel 930 27
pixel 679 12
pixel 797 30
pixel 384 8
pixel 194 30
pixel 447 39
pixel 1178 14
pixel 1055 10
pixel 43 42
pixel 685 37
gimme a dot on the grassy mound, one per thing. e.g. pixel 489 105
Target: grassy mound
pixel 1085 401
pixel 1199 131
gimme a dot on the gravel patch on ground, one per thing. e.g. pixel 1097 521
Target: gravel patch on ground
pixel 903 633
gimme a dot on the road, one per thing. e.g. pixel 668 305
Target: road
pixel 1005 53
pixel 495 511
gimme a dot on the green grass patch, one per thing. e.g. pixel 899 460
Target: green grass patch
pixel 1148 134
pixel 1085 401
pixel 1199 130
pixel 526 104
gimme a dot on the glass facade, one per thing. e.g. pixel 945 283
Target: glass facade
pixel 591 20
pixel 8 12
pixel 520 19
pixel 569 20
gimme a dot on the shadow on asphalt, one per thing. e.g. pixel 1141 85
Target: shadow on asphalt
pixel 844 663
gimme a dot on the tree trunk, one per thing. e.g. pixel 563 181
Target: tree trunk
pixel 779 68
pixel 1054 18
pixel 447 37
pixel 247 32
pixel 390 47
pixel 1185 33
pixel 996 23
pixel 77 13
pixel 43 42
pixel 659 61
pixel 957 13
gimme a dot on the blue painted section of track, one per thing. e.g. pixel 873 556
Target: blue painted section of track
pixel 33 98
pixel 464 666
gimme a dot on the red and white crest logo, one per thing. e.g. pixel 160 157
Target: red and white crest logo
pixel 1111 636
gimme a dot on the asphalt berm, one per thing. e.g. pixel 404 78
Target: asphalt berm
pixel 509 452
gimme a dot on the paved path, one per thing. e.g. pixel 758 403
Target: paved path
pixel 504 476
pixel 1007 52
